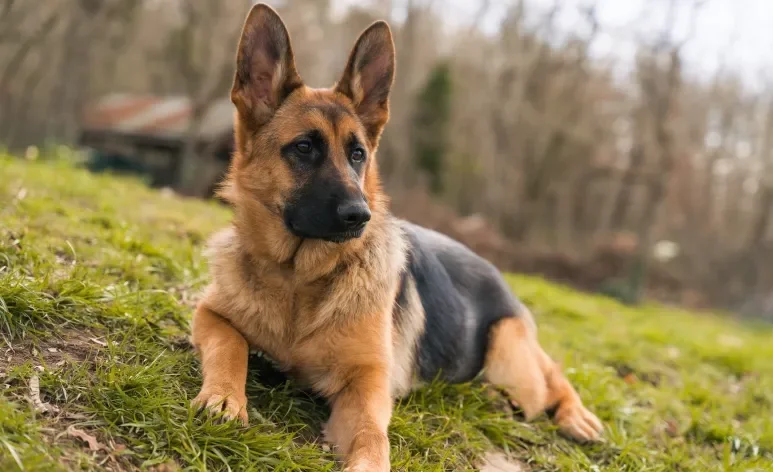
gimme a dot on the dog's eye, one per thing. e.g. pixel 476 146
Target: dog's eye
pixel 358 155
pixel 304 147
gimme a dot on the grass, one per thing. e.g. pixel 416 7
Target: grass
pixel 97 279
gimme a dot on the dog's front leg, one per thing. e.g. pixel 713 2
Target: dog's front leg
pixel 359 420
pixel 223 352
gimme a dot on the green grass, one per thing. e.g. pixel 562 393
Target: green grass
pixel 97 279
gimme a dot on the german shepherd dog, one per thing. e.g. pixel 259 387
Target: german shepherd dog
pixel 316 273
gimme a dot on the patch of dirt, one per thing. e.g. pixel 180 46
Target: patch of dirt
pixel 107 454
pixel 70 345
pixel 61 426
pixel 55 352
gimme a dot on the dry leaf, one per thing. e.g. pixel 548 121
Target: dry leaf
pixel 39 404
pixel 498 462
pixel 101 343
pixel 672 428
pixel 94 445
pixel 630 379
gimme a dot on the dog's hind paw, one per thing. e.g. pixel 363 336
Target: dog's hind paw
pixel 578 422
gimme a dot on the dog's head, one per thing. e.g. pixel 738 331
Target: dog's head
pixel 308 155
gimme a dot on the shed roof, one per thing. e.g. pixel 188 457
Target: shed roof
pixel 156 117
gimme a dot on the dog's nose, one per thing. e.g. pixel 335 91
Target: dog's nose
pixel 354 214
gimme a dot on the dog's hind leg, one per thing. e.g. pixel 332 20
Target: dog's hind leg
pixel 517 363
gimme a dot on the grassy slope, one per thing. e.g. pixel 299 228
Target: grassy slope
pixel 96 280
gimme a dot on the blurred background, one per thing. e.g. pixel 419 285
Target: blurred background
pixel 622 147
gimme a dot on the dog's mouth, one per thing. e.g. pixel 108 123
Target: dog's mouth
pixel 345 236
pixel 333 237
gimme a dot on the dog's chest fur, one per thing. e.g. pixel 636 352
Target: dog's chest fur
pixel 300 314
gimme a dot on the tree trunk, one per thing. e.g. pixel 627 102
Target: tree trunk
pixel 190 158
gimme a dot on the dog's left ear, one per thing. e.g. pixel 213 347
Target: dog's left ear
pixel 368 77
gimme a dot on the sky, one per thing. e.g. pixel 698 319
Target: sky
pixel 734 34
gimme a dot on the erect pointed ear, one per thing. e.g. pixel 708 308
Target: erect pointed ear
pixel 265 67
pixel 368 77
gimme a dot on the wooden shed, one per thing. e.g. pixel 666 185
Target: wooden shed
pixel 146 135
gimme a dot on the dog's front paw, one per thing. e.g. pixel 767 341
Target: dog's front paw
pixel 233 406
pixel 578 422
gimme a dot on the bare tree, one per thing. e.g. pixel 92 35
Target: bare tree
pixel 542 139
pixel 205 69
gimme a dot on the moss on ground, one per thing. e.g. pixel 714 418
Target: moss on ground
pixel 97 278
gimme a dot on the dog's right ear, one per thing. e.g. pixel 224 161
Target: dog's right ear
pixel 265 67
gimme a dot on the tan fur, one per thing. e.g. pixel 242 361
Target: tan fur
pixel 406 336
pixel 224 363
pixel 516 362
pixel 330 328
pixel 321 310
pixel 324 311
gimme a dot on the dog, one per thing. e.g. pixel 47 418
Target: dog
pixel 315 272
